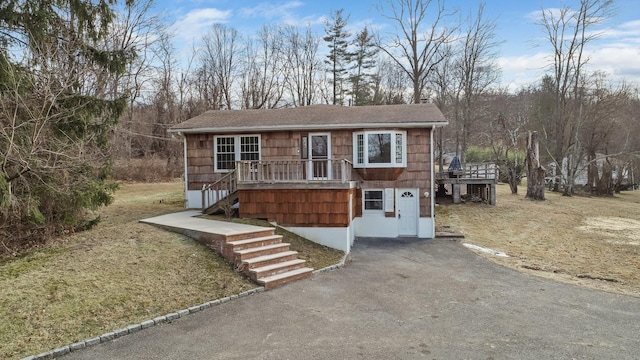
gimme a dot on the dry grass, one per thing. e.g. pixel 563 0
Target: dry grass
pixel 594 242
pixel 119 273
pixel 316 255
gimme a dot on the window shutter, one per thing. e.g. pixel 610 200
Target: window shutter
pixel 389 199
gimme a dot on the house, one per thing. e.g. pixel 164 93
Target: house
pixel 328 173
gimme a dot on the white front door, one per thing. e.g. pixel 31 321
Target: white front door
pixel 407 212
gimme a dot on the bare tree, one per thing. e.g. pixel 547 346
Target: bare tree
pixel 416 50
pixel 389 84
pixel 476 71
pixel 220 61
pixel 303 65
pixel 568 32
pixel 443 86
pixel 136 28
pixel 263 73
pixel 535 171
pixel 506 134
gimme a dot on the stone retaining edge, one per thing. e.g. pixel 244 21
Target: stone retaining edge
pixel 342 263
pixel 53 354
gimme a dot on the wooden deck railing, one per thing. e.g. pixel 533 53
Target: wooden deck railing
pixel 212 193
pixel 472 171
pixel 294 171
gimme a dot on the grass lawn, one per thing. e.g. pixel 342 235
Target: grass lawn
pixel 117 274
pixel 594 242
pixel 123 272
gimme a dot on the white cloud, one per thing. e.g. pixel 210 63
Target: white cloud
pixel 523 70
pixel 619 61
pixel 629 31
pixel 197 21
pixel 282 13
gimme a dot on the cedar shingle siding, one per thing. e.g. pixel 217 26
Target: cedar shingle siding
pixel 281 131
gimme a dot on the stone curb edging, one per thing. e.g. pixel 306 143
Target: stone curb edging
pixel 342 263
pixel 53 354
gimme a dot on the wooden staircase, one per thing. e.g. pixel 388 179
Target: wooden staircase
pixel 221 195
pixel 264 258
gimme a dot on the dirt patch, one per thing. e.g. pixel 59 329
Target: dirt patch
pixel 593 242
pixel 615 230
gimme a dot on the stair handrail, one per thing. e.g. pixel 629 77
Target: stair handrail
pixel 219 190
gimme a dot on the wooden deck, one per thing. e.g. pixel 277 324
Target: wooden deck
pixel 480 180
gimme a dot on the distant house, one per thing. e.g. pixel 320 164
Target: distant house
pixel 329 173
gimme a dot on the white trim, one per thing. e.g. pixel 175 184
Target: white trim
pixel 393 157
pixel 364 198
pixel 236 147
pixel 376 225
pixel 186 174
pixel 194 199
pixel 426 228
pixel 432 194
pixel 340 238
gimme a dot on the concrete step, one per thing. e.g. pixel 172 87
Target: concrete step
pixel 269 270
pixel 272 281
pixel 246 254
pixel 249 234
pixel 254 242
pixel 265 260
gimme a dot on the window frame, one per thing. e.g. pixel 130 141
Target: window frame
pixel 237 145
pixel 364 201
pixel 361 149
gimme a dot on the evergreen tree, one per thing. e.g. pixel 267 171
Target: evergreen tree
pixel 58 106
pixel 364 59
pixel 338 57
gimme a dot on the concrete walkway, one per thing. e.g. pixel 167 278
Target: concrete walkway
pixel 401 299
pixel 188 221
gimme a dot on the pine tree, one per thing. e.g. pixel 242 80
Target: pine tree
pixel 58 106
pixel 364 59
pixel 338 57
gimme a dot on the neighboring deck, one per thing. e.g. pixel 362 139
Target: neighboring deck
pixel 479 179
pixel 254 250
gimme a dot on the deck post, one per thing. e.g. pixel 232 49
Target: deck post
pixel 492 194
pixel 456 193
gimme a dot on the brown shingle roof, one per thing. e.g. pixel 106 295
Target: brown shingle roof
pixel 315 117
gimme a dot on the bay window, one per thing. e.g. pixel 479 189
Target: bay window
pixel 379 149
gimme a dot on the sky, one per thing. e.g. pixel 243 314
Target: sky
pixel 522 53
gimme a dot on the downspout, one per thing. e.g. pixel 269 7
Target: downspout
pixel 432 194
pixel 186 177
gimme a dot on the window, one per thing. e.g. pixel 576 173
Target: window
pixel 229 149
pixel 379 149
pixel 373 200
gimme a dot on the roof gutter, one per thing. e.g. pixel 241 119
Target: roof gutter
pixel 220 130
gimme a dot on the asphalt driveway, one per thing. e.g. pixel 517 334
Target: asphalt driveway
pixel 401 299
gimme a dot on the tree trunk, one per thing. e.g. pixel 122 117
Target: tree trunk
pixel 535 172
